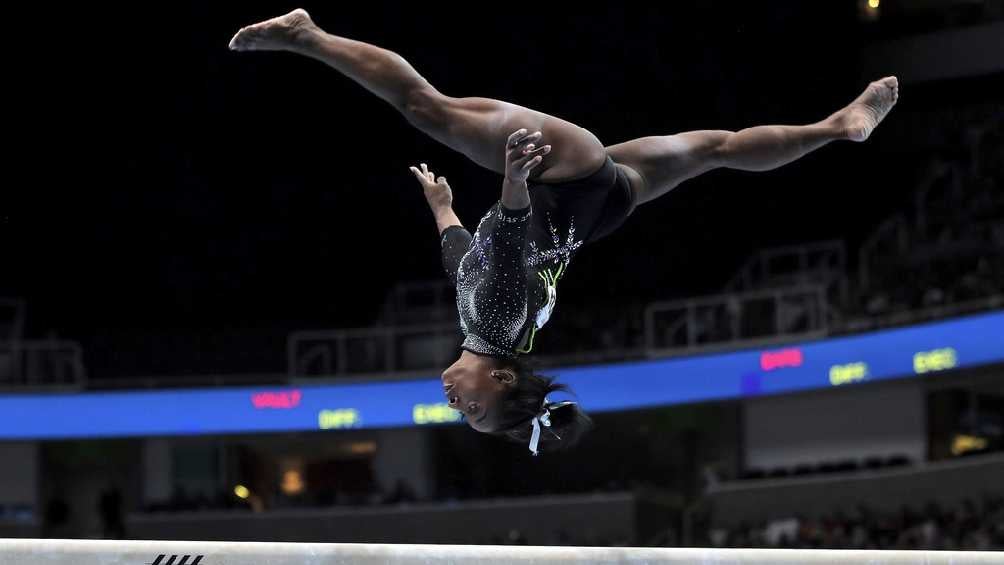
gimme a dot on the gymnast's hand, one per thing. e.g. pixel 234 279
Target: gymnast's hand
pixel 522 155
pixel 437 191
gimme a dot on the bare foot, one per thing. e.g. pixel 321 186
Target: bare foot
pixel 862 116
pixel 272 35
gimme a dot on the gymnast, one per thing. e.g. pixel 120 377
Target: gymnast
pixel 562 189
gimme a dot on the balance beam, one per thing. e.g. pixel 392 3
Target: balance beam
pixel 112 552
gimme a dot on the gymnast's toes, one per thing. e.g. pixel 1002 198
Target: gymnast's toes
pixel 274 34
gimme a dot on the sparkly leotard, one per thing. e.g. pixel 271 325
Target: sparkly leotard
pixel 506 274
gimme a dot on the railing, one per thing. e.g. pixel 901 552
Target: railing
pixel 420 300
pixel 733 319
pixel 726 320
pixel 42 363
pixel 892 233
pixel 707 324
pixel 792 264
pixel 371 350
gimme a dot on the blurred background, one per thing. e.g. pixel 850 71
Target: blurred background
pixel 222 312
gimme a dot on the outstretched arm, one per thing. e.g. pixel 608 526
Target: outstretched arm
pixel 453 238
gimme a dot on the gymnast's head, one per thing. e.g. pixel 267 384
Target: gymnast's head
pixel 504 397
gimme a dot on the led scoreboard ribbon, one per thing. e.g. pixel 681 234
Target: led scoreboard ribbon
pixel 846 361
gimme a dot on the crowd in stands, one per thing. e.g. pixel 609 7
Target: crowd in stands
pixel 967 525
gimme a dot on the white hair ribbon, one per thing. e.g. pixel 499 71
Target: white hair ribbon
pixel 543 419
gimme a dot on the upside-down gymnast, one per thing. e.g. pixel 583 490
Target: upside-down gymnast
pixel 562 189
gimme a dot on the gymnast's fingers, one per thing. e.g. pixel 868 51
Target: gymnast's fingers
pixel 422 178
pixel 529 153
pixel 529 165
pixel 514 138
pixel 521 137
pixel 532 150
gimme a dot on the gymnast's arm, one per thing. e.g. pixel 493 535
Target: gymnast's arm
pixel 502 292
pixel 454 239
pixel 439 196
pixel 505 289
pixel 521 156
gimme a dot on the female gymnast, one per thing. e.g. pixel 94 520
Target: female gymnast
pixel 562 189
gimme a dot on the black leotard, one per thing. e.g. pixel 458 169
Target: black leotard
pixel 506 274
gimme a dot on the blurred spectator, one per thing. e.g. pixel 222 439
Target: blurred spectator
pixel 110 510
pixel 402 493
pixel 56 517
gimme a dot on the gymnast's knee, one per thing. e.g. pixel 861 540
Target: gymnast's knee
pixel 424 106
pixel 716 149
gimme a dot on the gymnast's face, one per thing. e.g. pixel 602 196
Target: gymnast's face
pixel 474 387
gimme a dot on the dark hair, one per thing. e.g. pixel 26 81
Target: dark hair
pixel 525 399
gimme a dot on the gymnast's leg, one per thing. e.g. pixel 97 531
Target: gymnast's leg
pixel 476 127
pixel 655 165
